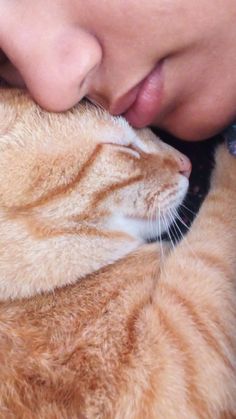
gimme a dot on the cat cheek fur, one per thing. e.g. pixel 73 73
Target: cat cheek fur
pixel 152 188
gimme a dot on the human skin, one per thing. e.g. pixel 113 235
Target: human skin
pixel 64 50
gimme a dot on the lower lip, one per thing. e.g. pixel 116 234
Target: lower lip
pixel 148 101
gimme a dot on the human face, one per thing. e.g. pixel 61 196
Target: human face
pixel 169 63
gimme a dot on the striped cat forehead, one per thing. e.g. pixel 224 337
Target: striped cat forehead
pixel 19 113
pixel 123 134
pixel 116 130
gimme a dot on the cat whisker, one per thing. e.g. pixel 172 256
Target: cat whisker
pixel 168 231
pixel 159 228
pixel 151 224
pixel 154 223
pixel 183 237
pixel 177 215
pixel 175 224
pixel 174 232
pixel 188 209
pixel 162 265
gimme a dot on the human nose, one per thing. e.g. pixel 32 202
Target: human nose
pixel 61 73
pixel 69 73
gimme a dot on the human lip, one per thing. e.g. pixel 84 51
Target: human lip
pixel 143 102
pixel 148 101
pixel 125 102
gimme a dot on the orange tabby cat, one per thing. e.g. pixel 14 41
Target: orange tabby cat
pixel 78 191
pixel 138 337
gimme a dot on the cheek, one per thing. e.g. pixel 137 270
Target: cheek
pixel 146 199
pixel 135 200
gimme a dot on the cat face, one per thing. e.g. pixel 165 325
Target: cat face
pixel 88 168
pixel 82 182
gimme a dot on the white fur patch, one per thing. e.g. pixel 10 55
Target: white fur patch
pixel 140 229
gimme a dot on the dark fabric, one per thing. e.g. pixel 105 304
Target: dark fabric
pixel 230 136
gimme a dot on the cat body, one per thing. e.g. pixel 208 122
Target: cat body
pixel 149 335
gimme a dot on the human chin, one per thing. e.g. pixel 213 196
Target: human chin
pixel 194 126
pixel 185 129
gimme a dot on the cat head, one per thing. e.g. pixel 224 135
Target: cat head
pixel 78 190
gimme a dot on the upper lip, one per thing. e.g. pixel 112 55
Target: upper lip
pixel 126 101
pixel 134 96
pixel 121 105
pixel 130 98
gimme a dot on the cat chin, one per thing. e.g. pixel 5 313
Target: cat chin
pixel 151 228
pixel 140 229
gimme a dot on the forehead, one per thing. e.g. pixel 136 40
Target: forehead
pixel 100 127
pixel 24 122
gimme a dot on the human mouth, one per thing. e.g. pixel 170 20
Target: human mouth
pixel 142 103
pixel 148 99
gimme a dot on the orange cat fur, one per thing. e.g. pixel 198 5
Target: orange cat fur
pixel 77 191
pixel 136 339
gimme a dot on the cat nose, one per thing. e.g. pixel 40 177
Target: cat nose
pixel 185 166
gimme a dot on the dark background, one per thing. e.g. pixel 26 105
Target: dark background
pixel 201 155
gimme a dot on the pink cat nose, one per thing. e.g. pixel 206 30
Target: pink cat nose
pixel 185 166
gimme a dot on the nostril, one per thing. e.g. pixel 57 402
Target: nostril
pixel 185 166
